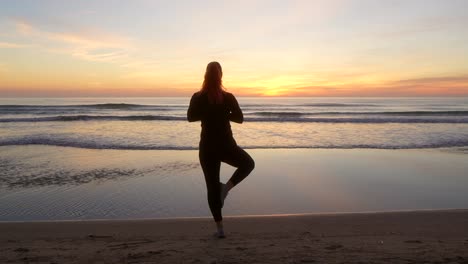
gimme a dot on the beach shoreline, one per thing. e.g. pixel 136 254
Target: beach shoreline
pixel 435 236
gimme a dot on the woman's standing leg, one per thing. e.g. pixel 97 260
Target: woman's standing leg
pixel 211 165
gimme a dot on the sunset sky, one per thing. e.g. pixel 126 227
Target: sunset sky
pixel 266 48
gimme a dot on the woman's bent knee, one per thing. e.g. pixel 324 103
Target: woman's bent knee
pixel 250 165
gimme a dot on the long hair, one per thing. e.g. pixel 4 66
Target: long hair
pixel 213 83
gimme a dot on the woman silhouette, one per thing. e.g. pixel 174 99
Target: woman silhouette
pixel 215 107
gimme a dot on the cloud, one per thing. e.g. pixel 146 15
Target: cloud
pixel 429 86
pixel 87 44
pixel 95 55
pixel 427 25
pixel 90 39
pixel 3 68
pixel 445 80
pixel 24 27
pixel 10 45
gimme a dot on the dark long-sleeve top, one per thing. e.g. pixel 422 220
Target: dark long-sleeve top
pixel 215 118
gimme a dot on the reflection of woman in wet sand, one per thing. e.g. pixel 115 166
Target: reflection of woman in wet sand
pixel 215 107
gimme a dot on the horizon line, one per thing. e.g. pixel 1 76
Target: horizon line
pixel 253 96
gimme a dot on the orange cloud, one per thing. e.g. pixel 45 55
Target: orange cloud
pixel 94 92
pixel 431 86
pixel 24 27
pixel 9 45
pixel 89 44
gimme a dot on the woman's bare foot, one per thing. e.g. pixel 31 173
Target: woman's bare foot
pixel 220 228
pixel 219 234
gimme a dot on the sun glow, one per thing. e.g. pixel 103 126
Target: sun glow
pixel 275 92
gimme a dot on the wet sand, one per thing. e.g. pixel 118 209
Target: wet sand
pixel 59 183
pixel 392 237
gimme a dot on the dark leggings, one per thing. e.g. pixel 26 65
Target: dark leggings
pixel 210 160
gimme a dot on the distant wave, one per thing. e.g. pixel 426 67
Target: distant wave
pixel 389 113
pixel 312 105
pixel 278 113
pixel 366 120
pixel 338 105
pixel 132 106
pixel 113 106
pixel 82 143
pixel 86 144
pixel 268 117
pixel 92 118
pixel 110 106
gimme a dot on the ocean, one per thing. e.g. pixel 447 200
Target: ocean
pixel 133 158
pixel 160 123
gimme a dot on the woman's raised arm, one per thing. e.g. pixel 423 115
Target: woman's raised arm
pixel 236 113
pixel 194 111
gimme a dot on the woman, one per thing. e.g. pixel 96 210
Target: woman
pixel 215 107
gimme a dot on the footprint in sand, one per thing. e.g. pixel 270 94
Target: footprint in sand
pixel 21 250
pixel 241 248
pixel 413 241
pixel 308 260
pixel 333 247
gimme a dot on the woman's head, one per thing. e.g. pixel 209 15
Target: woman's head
pixel 213 77
pixel 213 83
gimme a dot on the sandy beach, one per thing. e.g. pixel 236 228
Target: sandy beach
pixel 80 186
pixel 392 237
